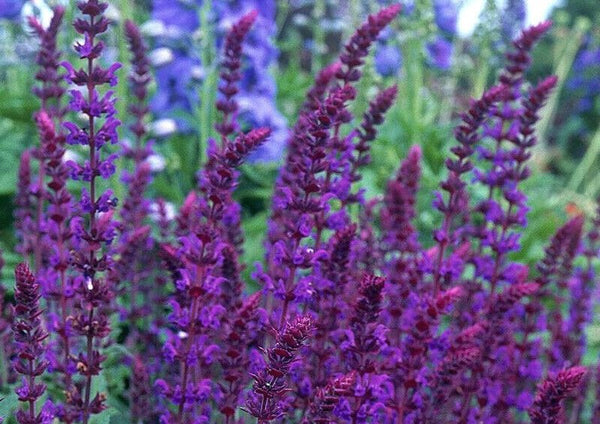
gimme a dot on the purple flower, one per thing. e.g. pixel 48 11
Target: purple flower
pixel 48 58
pixel 269 387
pixel 440 53
pixel 92 238
pixel 547 406
pixel 178 13
pixel 388 60
pixel 29 337
pixel 446 15
pixel 10 9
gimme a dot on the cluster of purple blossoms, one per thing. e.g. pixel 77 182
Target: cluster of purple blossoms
pixel 29 344
pixel 179 70
pixel 360 319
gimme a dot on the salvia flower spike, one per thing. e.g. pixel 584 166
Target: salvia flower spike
pixel 94 229
pixel 29 338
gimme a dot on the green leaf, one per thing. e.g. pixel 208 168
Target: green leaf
pixel 9 404
pixel 13 140
pixel 108 416
pixel 18 109
pixel 118 418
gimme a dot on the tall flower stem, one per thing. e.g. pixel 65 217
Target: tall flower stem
pixel 93 232
pixel 590 156
pixel 92 223
pixel 28 337
pixel 208 87
pixel 190 342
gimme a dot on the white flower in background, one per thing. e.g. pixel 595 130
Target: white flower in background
pixel 39 9
pixel 164 127
pixel 157 28
pixel 157 162
pixel 71 155
pixel 198 72
pixel 112 13
pixel 153 28
pixel 161 56
pixel 169 210
pixel 126 142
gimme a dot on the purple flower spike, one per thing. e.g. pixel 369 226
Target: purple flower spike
pixel 29 337
pixel 269 385
pixel 48 57
pixel 94 235
pixel 357 48
pixel 138 81
pixel 374 116
pixel 547 407
pixel 231 74
pixel 327 399
pixel 322 83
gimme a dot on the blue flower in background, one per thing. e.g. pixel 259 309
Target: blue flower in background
pixel 440 53
pixel 513 18
pixel 260 111
pixel 585 82
pixel 440 49
pixel 388 60
pixel 180 14
pixel 446 15
pixel 176 61
pixel 179 69
pixel 408 6
pixel 176 84
pixel 10 9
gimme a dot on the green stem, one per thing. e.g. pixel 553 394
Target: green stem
pixel 208 88
pixel 592 189
pixel 356 16
pixel 481 76
pixel 3 368
pixel 318 35
pixel 126 8
pixel 564 62
pixel 586 163
pixel 449 91
pixel 412 87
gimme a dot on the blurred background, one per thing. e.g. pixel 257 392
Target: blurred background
pixel 440 53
